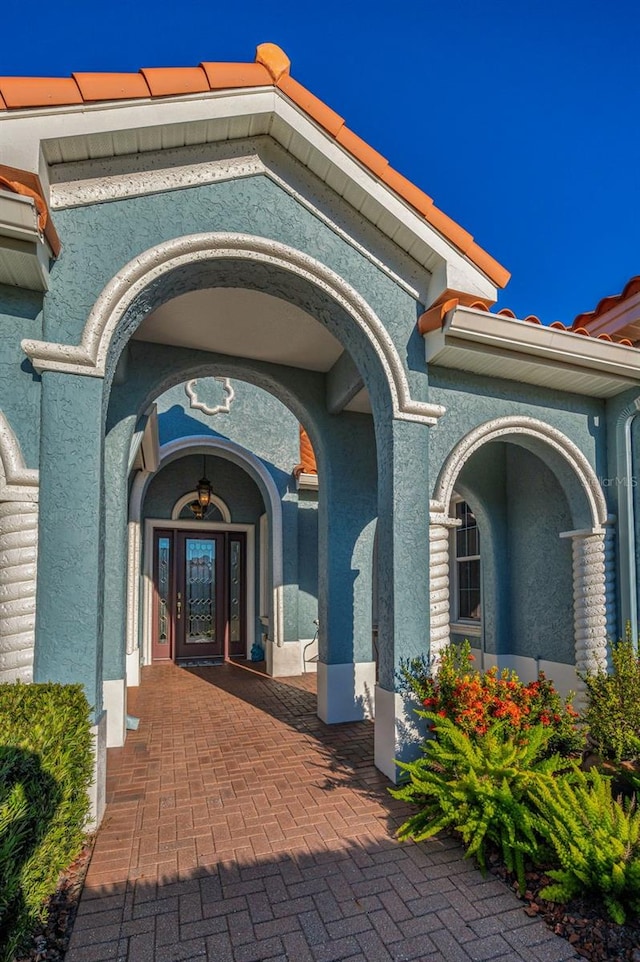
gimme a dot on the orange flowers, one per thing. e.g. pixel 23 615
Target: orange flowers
pixel 475 700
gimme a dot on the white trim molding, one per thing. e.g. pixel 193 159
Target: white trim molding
pixel 589 598
pixel 18 571
pixel 439 573
pixel 224 448
pixel 210 526
pixel 17 482
pixel 90 356
pixel 515 426
pixel 500 346
pixel 196 405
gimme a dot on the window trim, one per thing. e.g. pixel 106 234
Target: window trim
pixel 461 626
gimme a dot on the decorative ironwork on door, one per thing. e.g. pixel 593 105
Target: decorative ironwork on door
pixel 200 591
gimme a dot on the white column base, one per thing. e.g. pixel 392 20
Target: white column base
pixel 346 692
pixel 283 660
pixel 397 734
pixel 114 698
pixel 133 668
pixel 98 790
pixel 564 677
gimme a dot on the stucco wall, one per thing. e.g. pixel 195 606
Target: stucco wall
pixel 527 582
pixel 264 426
pixel 540 561
pixel 99 239
pixel 20 316
pixel 471 400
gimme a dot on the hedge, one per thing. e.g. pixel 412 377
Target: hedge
pixel 46 765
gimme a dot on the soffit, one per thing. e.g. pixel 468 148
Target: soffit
pixel 504 347
pixel 242 323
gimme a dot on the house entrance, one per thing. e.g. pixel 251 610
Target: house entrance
pixel 199 595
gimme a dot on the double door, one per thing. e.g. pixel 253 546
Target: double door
pixel 199 595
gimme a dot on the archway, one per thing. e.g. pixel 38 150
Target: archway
pixel 570 481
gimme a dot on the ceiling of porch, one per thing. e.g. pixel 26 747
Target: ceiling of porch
pixel 248 324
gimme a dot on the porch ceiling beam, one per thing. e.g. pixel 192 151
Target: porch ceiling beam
pixel 343 383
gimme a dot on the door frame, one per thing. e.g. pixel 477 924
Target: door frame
pixel 150 526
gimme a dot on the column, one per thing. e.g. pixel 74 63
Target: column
pixel 70 548
pixel 589 598
pixel 439 607
pixel 405 582
pixel 347 508
pixel 610 581
pixel 18 565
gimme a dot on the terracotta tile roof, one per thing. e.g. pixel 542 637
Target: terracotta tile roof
pixel 28 184
pixel 307 456
pixel 607 303
pixel 433 320
pixel 271 68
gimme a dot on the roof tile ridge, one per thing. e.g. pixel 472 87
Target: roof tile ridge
pixel 609 302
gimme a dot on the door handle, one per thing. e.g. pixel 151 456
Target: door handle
pixel 179 606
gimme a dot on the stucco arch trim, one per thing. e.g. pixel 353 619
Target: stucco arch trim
pixel 221 447
pixel 193 496
pixel 522 427
pixel 90 356
pixel 17 482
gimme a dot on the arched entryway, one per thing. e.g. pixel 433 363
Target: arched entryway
pixel 519 525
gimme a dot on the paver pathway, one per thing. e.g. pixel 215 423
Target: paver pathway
pixel 240 828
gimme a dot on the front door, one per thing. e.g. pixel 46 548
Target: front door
pixel 199 609
pixel 199 595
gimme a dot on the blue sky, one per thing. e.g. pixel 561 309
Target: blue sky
pixel 519 119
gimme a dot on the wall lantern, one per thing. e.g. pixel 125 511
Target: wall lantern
pixel 205 492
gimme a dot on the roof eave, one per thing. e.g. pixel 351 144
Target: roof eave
pixel 473 340
pixel 460 258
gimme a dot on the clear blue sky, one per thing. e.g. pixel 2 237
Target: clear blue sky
pixel 520 119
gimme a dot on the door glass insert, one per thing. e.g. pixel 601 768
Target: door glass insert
pixel 164 572
pixel 200 593
pixel 235 592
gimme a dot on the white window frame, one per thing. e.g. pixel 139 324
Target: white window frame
pixel 470 627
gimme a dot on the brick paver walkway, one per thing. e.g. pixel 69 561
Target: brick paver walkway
pixel 239 828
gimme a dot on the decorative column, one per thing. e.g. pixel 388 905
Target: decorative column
pixel 589 598
pixel 18 565
pixel 439 533
pixel 613 632
pixel 133 593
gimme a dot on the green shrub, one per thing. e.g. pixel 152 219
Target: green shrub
pixel 475 699
pixel 613 712
pixel 479 787
pixel 596 839
pixel 46 763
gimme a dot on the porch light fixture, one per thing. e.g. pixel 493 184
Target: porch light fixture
pixel 204 491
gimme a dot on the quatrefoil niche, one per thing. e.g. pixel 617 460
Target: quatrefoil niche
pixel 196 405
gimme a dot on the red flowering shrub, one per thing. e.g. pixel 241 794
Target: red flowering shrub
pixel 475 700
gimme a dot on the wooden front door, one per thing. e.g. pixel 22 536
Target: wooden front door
pixel 199 595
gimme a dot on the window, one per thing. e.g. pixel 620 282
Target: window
pixel 466 594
